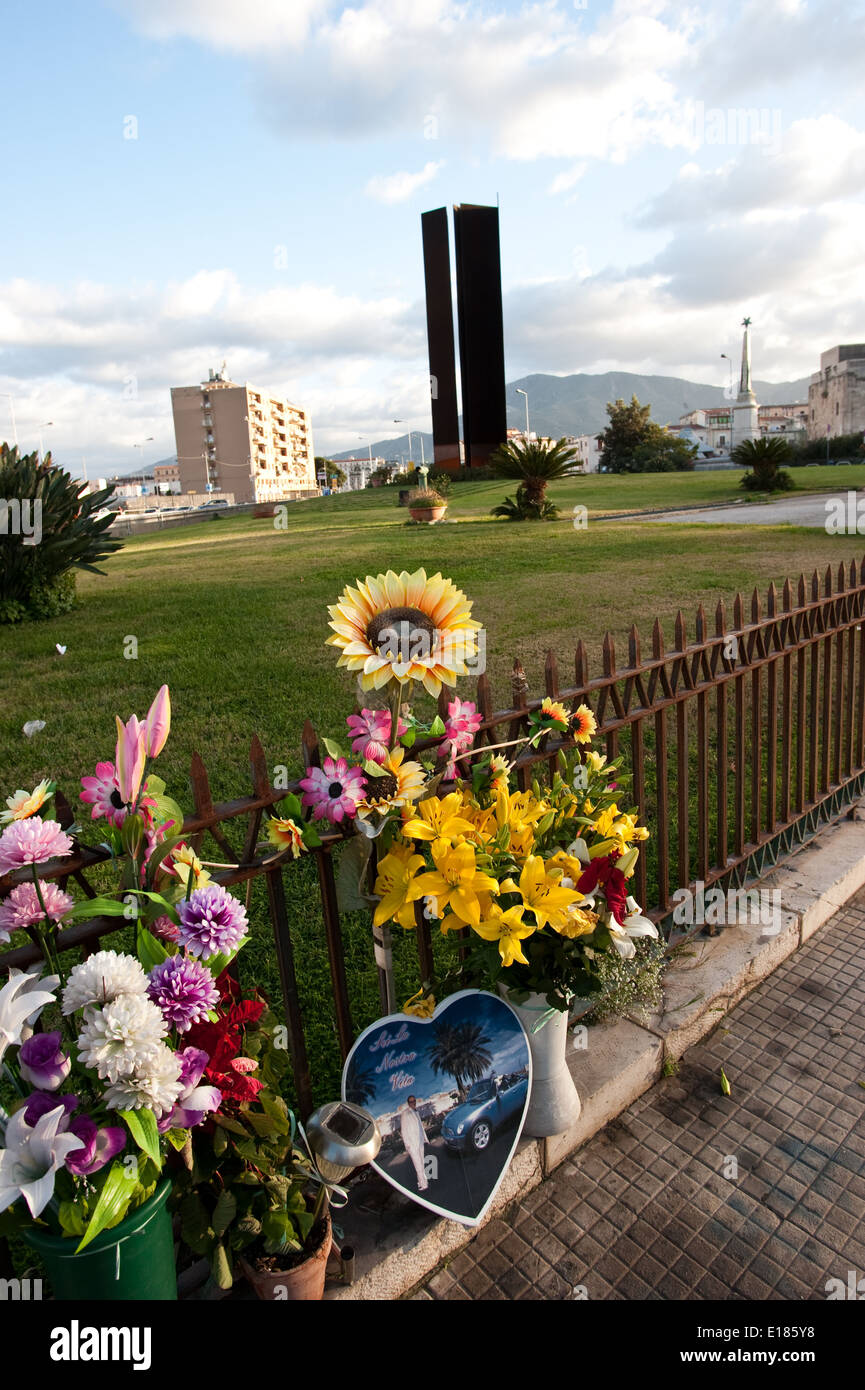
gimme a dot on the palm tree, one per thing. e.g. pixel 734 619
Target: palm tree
pixel 534 464
pixel 461 1051
pixel 763 458
pixel 359 1084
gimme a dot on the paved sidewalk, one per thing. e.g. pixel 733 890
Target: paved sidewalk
pixel 645 1211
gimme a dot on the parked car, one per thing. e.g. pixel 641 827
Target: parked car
pixel 215 502
pixel 470 1127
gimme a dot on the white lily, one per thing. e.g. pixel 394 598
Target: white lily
pixel 22 1000
pixel 634 925
pixel 31 1158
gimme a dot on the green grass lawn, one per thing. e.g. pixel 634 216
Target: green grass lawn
pixel 232 614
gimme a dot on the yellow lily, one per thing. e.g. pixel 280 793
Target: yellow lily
pixel 438 819
pixel 420 1005
pixel 456 881
pixel 397 885
pixel 545 895
pixel 578 922
pixel 509 929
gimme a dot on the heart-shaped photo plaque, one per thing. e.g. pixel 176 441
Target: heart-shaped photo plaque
pixel 449 1094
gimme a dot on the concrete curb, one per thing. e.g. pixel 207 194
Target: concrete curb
pixel 626 1058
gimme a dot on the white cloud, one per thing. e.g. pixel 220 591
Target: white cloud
pixel 565 181
pixel 396 188
pixel 224 24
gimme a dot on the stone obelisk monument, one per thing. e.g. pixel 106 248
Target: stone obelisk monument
pixel 745 425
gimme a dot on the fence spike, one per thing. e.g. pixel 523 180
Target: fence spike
pixel 581 666
pixel 309 745
pixel 827 582
pixel 442 703
pixel 772 600
pixel 700 634
pixel 720 618
pixel 802 592
pixel 815 587
pixel 609 651
pixel 551 674
pixel 738 612
pixel 657 640
pixel 519 684
pixel 260 778
pixel 787 596
pixel 634 647
pixel 681 637
pixel 842 578
pixel 200 786
pixel 485 701
pixel 852 582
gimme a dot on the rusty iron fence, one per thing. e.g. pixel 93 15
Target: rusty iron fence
pixel 742 743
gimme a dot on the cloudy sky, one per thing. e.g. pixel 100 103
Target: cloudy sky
pixel 196 180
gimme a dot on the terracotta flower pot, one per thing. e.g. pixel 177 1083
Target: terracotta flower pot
pixel 303 1282
pixel 427 513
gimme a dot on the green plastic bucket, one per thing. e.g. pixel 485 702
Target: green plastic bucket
pixel 134 1260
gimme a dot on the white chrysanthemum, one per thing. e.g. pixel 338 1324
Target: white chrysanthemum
pixel 123 1037
pixel 156 1084
pixel 102 977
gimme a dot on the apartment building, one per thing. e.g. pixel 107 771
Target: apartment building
pixel 242 440
pixel 166 476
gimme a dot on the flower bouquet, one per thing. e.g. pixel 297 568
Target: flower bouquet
pixel 97 1101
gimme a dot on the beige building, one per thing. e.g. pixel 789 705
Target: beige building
pixel 166 477
pixel 242 440
pixel 836 394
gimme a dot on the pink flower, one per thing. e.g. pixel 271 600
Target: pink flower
pixel 32 841
pixel 370 733
pixel 103 794
pixel 333 790
pixel 22 907
pixel 129 758
pixel 164 929
pixel 461 725
pixel 158 723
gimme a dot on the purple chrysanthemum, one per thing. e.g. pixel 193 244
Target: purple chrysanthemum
pixel 32 841
pixel 184 990
pixel 334 790
pixel 211 921
pixel 23 909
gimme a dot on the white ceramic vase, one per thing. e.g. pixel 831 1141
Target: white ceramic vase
pixel 555 1103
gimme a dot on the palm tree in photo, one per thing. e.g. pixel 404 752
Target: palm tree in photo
pixel 359 1084
pixel 763 457
pixel 462 1052
pixel 534 464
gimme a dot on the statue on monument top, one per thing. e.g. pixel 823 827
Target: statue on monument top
pixel 745 388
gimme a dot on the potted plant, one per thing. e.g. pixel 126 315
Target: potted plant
pixel 425 504
pixel 248 1198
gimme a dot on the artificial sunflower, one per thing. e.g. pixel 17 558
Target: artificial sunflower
pixel 404 627
pixel 400 783
pixel 286 834
pixel 25 804
pixel 585 724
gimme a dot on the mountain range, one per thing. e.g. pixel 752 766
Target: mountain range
pixel 576 404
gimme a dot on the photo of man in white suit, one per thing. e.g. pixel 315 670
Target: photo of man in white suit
pixel 414 1139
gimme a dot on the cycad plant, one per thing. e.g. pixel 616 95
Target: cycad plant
pixel 46 530
pixel 763 458
pixel 534 464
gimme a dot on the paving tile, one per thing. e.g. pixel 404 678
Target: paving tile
pixel 645 1210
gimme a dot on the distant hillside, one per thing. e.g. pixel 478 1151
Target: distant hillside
pixel 577 404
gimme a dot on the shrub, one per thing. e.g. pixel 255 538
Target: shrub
pixel 36 579
pixel 426 497
pixel 764 457
pixel 440 481
pixel 526 507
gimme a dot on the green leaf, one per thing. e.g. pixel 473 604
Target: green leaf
pixel 332 747
pixel 114 1199
pixel 264 1127
pixel 195 1224
pixel 437 727
pixel 220 1267
pixel 235 1127
pixel 71 1218
pixel 220 1142
pixel 725 1085
pixel 276 1108
pixel 409 738
pixel 177 1138
pixel 149 950
pixel 142 1126
pixel 353 863
pixel 224 1212
pixel 95 907
pixel 372 769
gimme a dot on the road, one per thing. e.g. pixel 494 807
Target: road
pixel 793 511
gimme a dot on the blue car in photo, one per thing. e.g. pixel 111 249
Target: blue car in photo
pixel 470 1128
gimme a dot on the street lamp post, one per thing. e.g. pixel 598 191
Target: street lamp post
pixel 148 440
pixel 729 362
pixel 42 427
pixel 402 422
pixel 521 392
pixel 8 396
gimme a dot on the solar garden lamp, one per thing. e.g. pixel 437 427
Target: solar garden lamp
pixel 342 1137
